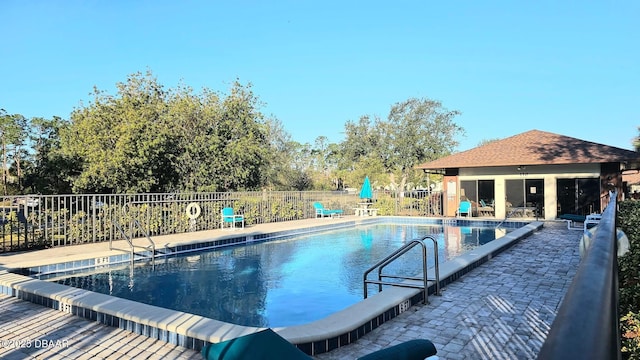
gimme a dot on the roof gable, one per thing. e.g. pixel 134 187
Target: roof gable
pixel 533 147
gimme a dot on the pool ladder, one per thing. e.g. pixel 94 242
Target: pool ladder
pixel 424 285
pixel 129 238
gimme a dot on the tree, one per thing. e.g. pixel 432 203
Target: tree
pixel 49 172
pixel 13 133
pixel 148 139
pixel 417 131
pixel 484 142
pixel 122 142
pixel 363 152
pixel 324 160
pixel 242 141
pixel 287 170
pixel 222 141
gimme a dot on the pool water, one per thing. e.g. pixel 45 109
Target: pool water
pixel 279 282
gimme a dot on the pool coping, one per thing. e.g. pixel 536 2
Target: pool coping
pixel 193 331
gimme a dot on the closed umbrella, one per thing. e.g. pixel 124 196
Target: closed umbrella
pixel 365 191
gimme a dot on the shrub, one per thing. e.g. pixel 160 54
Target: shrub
pixel 630 331
pixel 629 280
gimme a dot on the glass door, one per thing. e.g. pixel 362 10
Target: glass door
pixel 578 196
pixel 481 194
pixel 535 195
pixel 525 198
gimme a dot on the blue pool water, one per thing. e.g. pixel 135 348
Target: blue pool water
pixel 276 283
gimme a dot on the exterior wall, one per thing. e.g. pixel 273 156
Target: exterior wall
pixel 549 173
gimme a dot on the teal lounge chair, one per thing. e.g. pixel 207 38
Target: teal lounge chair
pixel 573 217
pixel 267 345
pixel 322 212
pixel 464 209
pixel 230 217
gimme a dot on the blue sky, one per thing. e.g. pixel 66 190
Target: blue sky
pixel 569 67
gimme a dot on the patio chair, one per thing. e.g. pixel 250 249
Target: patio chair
pixel 485 209
pixel 322 212
pixel 267 345
pixel 588 221
pixel 465 208
pixel 230 217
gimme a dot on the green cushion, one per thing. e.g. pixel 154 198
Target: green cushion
pixel 262 345
pixel 418 349
pixel 573 217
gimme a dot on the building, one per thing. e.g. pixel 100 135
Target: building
pixel 533 174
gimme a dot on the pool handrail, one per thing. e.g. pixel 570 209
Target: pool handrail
pixel 396 254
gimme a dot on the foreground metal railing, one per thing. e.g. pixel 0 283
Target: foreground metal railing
pixel 586 326
pixel 38 221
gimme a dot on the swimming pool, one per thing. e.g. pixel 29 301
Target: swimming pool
pixel 283 282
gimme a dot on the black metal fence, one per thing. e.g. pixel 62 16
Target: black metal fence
pixel 39 221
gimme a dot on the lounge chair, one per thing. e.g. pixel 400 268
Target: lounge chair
pixel 485 209
pixel 464 209
pixel 587 221
pixel 573 217
pixel 230 217
pixel 267 345
pixel 322 212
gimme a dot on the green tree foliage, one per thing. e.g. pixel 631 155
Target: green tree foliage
pixel 278 176
pixel 363 152
pixel 48 172
pixel 121 141
pixel 222 142
pixel 148 139
pixel 13 134
pixel 324 157
pixel 241 146
pixel 291 164
pixel 418 131
pixel 484 142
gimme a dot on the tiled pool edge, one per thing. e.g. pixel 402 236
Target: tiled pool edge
pixel 175 327
pixel 193 331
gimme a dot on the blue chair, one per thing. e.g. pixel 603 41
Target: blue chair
pixel 465 208
pixel 267 345
pixel 322 212
pixel 230 217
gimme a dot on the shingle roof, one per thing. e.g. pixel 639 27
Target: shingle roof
pixel 534 147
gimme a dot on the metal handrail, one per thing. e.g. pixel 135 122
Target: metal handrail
pixel 129 239
pixel 152 244
pixel 395 255
pixel 586 326
pixel 126 237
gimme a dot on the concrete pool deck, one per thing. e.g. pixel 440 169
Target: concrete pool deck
pixel 477 317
